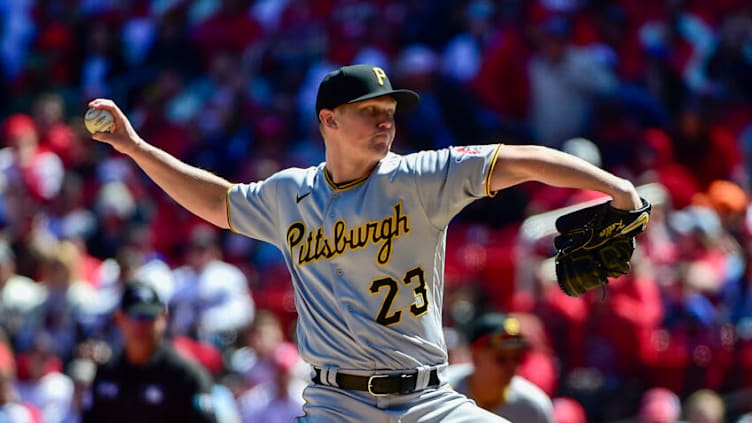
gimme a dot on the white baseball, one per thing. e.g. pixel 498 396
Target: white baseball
pixel 98 120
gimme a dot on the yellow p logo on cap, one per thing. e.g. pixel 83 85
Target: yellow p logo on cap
pixel 380 74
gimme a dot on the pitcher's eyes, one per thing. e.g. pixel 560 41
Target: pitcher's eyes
pixel 378 111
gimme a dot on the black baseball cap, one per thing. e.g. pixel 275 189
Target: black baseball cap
pixel 349 84
pixel 141 299
pixel 497 330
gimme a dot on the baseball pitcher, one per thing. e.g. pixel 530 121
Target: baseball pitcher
pixel 363 235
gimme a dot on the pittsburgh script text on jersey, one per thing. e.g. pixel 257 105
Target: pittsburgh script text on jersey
pixel 317 245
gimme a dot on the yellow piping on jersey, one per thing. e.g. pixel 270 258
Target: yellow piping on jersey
pixel 489 175
pixel 227 206
pixel 344 186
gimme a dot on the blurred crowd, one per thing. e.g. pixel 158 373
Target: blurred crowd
pixel 658 92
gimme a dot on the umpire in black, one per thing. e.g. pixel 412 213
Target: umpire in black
pixel 148 381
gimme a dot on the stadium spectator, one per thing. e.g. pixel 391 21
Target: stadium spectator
pixel 704 406
pixel 68 300
pixel 211 301
pixel 148 380
pixel 18 294
pixel 659 405
pixel 26 165
pixel 497 346
pixel 561 73
pixel 278 400
pixel 42 383
pixel 12 409
pixel 568 410
pixel 255 358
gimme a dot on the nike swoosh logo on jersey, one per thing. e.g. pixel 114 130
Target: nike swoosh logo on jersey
pixel 299 197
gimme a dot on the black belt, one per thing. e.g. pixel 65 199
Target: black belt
pixel 378 385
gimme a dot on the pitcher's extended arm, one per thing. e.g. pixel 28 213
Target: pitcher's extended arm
pixel 199 191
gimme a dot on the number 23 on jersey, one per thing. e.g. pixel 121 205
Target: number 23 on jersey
pixel 414 278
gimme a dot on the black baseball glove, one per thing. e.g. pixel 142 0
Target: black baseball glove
pixel 596 243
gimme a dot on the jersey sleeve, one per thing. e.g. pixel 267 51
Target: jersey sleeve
pixel 251 209
pixel 449 179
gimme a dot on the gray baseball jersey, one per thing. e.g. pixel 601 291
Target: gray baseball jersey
pixel 367 257
pixel 524 401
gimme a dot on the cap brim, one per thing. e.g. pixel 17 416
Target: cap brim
pixel 406 99
pixel 145 310
pixel 511 344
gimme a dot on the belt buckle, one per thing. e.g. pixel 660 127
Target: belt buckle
pixel 370 384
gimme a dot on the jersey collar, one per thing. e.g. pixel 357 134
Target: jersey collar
pixel 345 185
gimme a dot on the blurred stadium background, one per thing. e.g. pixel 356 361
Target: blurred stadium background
pixel 659 92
